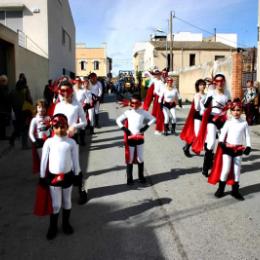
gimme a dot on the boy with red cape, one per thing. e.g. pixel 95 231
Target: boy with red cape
pixel 227 162
pixel 153 93
pixel 132 122
pixel 59 171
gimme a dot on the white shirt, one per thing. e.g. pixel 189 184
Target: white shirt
pixel 169 95
pixel 39 128
pixel 97 89
pixel 135 119
pixel 236 132
pixel 79 94
pixel 74 113
pixel 158 86
pixel 199 100
pixel 60 155
pixel 87 98
pixel 219 100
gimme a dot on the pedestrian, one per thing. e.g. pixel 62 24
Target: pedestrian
pixel 168 99
pixel 132 122
pixel 60 159
pixel 74 112
pixel 89 105
pixel 97 90
pixel 39 131
pixel 213 120
pixel 48 93
pixel 5 106
pixel 227 165
pixel 192 125
pixel 22 107
pixel 153 94
pixel 250 102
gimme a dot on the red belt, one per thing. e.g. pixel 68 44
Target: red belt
pixel 136 137
pixel 235 148
pixel 58 178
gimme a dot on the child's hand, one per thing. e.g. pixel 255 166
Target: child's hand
pixel 71 131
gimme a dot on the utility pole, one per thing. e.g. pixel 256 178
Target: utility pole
pixel 171 43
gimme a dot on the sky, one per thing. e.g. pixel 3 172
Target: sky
pixel 119 24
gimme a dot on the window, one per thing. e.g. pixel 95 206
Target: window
pixel 192 59
pixel 66 39
pixel 219 57
pixel 2 17
pixel 83 65
pixel 96 65
pixel 12 19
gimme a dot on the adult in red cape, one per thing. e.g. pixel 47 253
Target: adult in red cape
pixel 132 123
pixel 214 117
pixel 192 125
pixel 227 162
pixel 153 93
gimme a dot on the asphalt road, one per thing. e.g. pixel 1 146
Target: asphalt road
pixel 176 216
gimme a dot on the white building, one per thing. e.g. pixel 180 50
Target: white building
pixel 45 28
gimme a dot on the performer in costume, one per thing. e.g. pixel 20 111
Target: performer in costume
pixel 227 165
pixel 60 158
pixel 216 103
pixel 153 93
pixel 97 90
pixel 250 102
pixel 192 125
pixel 74 112
pixel 168 100
pixel 39 131
pixel 79 93
pixel 88 102
pixel 134 129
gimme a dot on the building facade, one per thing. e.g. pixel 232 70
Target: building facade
pixel 92 60
pixel 185 54
pixel 43 39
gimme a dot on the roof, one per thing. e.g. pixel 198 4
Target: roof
pixel 181 45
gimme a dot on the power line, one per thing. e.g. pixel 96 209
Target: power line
pixel 210 33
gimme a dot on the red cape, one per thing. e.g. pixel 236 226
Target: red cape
pixel 215 173
pixel 187 133
pixel 43 202
pixel 158 114
pixel 199 141
pixel 127 150
pixel 148 98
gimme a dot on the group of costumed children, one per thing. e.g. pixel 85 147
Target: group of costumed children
pixel 54 140
pixel 208 120
pixel 55 132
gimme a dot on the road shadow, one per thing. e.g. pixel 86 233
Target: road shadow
pixel 99 172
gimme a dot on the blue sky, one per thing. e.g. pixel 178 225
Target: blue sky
pixel 121 23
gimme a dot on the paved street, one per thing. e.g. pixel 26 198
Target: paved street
pixel 175 217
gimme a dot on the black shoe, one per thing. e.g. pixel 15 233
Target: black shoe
pixel 205 173
pixel 129 173
pixel 66 227
pixel 166 129
pixel 53 228
pixel 235 192
pixel 173 130
pixel 220 191
pixel 141 173
pixel 186 150
pixel 83 197
pixel 91 130
pixel 207 163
